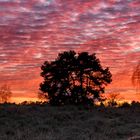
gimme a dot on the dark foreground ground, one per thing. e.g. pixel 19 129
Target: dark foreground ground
pixel 42 122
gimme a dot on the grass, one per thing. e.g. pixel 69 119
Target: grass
pixel 44 122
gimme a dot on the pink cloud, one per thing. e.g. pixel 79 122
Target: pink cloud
pixel 34 31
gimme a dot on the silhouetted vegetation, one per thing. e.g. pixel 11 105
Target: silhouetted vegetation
pixel 5 93
pixel 74 78
pixel 136 77
pixel 42 96
pixel 113 99
pixel 125 105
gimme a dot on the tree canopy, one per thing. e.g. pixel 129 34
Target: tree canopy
pixel 74 78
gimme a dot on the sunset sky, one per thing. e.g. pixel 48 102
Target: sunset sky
pixel 32 31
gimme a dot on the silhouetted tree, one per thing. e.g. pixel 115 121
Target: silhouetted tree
pixel 136 77
pixel 5 93
pixel 113 98
pixel 125 105
pixel 74 78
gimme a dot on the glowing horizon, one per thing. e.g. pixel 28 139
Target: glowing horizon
pixel 37 30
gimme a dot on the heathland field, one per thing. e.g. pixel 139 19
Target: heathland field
pixel 44 122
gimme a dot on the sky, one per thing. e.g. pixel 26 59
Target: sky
pixel 33 31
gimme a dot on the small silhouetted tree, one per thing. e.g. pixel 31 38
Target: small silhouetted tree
pixel 112 99
pixel 5 93
pixel 74 78
pixel 136 77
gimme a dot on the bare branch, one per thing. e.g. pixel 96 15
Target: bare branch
pixel 5 93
